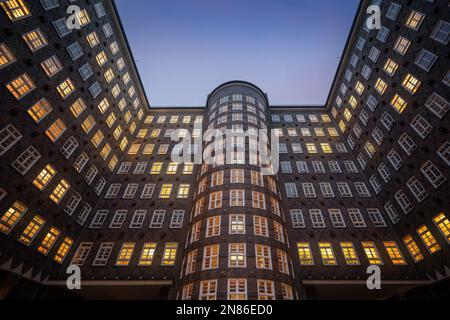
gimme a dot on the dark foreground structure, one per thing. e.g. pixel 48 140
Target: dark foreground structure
pixel 88 180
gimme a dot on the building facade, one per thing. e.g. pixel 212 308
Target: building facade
pixel 89 180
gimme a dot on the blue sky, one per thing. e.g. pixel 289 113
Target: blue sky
pixel 186 48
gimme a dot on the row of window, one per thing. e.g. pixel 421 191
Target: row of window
pixel 125 255
pixel 50 237
pixel 148 191
pixel 307 132
pixel 301 118
pixel 138 219
pixel 237 289
pixel 309 190
pixel 238 98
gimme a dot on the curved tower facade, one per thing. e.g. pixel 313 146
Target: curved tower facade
pixel 237 246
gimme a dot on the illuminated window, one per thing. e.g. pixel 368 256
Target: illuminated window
pixel 350 255
pixel 353 102
pixel 326 148
pixel 415 20
pixel 51 66
pixel 394 253
pixel 172 168
pixel 66 88
pixel 93 39
pixel 237 256
pixel 305 254
pixel 134 148
pixel 15 9
pixel 311 147
pixel 359 88
pixel 183 191
pixel 147 255
pixel 372 254
pixel 21 86
pixel 109 75
pixel 88 124
pixel 156 168
pixel 428 239
pixel 125 254
pixel 413 249
pixel 60 191
pixel 237 289
pixel 35 40
pixel 31 231
pixel 188 168
pixel 6 56
pixel 12 216
pixel 390 67
pixel 98 138
pixel 44 177
pixel 342 126
pixel 111 120
pixel 237 224
pixel 169 255
pixel 381 86
pixel 263 257
pixel 78 107
pixel 399 103
pixel 49 240
pixel 101 58
pixel 56 130
pixel 166 191
pixel 327 253
pixel 40 110
pixel 208 290
pixel 402 45
pixel 83 17
pixel 443 224
pixel 63 250
pixel 411 83
pixel 266 290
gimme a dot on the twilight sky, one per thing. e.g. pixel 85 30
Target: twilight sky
pixel 186 48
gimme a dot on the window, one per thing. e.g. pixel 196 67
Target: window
pixel 433 174
pixel 350 254
pixel 191 262
pixel 12 216
pixel 44 177
pixel 291 190
pixel 263 257
pixel 237 198
pixel 426 60
pixel 21 86
pixel 169 255
pixel 213 226
pixel 157 219
pixel 421 126
pixel 383 34
pixel 15 9
pixel 372 253
pixel 166 191
pixel 177 219
pixel 31 231
pixel 260 226
pixel 393 11
pixel 147 255
pixel 411 83
pixel 357 218
pixel 82 253
pixel 215 200
pixel 183 191
pixel 305 254
pixel 266 290
pixel 60 191
pixel 438 105
pixel 237 224
pixel 51 66
pixel 237 289
pixel 327 253
pixel 66 88
pixel 428 239
pixel 211 257
pixel 298 221
pixel 35 40
pixel 125 254
pixel 6 56
pixel 399 104
pixel 103 254
pixel 394 253
pixel 402 45
pixel 443 224
pixel 415 20
pixel 441 32
pixel 208 290
pixel 48 241
pixel 381 86
pixel 413 249
pixel 237 255
pixel 390 67
pixel 26 160
pixel 138 219
pixel 336 218
pixel 63 250
pixel 317 219
pixel 377 218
